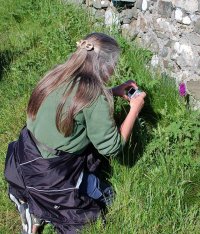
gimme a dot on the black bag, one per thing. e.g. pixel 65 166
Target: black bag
pixel 49 186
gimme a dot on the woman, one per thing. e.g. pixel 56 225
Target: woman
pixel 69 110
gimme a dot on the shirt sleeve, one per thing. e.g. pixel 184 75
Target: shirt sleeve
pixel 101 128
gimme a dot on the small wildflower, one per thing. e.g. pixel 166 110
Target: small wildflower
pixel 182 89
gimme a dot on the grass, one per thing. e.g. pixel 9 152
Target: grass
pixel 157 176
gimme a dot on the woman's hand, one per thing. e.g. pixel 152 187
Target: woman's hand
pixel 137 102
pixel 120 90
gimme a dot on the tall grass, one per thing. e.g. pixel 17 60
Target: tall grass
pixel 156 178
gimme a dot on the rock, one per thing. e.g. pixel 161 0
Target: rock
pixel 144 5
pixel 105 3
pixel 165 63
pixel 178 15
pixel 126 21
pixel 89 3
pixel 198 67
pixel 139 4
pixel 193 38
pixel 193 87
pixel 130 30
pixel 170 43
pixel 154 61
pixel 164 52
pixel 188 5
pixel 197 26
pixel 100 14
pixel 125 30
pixel 185 55
pixel 135 13
pixel 92 10
pixel 111 17
pixel 186 20
pixel 97 4
pixel 150 41
pixel 165 8
pixel 161 35
pixel 164 26
pixel 142 23
pixel 128 13
pixel 78 2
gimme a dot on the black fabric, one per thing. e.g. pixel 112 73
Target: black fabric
pixel 48 185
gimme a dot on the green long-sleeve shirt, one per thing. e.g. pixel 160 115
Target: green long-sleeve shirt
pixel 92 125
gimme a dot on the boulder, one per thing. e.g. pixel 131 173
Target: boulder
pixel 165 9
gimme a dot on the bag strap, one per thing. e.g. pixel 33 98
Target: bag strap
pixel 45 147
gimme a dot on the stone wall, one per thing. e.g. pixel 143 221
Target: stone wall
pixel 169 28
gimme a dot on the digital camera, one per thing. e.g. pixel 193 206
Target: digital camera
pixel 133 92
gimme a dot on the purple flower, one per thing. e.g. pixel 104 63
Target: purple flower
pixel 182 89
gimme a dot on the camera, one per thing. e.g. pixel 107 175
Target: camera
pixel 133 92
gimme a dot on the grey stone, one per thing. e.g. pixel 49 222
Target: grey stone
pixel 150 41
pixel 197 26
pixel 92 10
pixel 164 52
pixel 155 61
pixel 170 43
pixel 165 9
pixel 186 20
pixel 188 5
pixel 135 13
pixel 193 38
pixel 105 3
pixel 154 46
pixel 78 2
pixel 97 4
pixel 161 35
pixel 142 23
pixel 139 4
pixel 111 17
pixel 198 67
pixel 100 14
pixel 142 5
pixel 89 3
pixel 130 30
pixel 126 21
pixel 193 86
pixel 165 63
pixel 164 26
pixel 129 13
pixel 145 5
pixel 178 15
pixel 185 55
pixel 194 104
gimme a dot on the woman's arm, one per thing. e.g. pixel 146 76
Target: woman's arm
pixel 136 105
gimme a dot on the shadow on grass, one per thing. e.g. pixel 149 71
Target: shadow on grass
pixel 5 60
pixel 141 134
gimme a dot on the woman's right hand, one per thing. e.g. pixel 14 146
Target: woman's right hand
pixel 137 102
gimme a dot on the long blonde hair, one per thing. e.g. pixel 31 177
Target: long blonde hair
pixel 90 66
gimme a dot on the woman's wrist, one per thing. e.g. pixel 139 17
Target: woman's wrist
pixel 134 111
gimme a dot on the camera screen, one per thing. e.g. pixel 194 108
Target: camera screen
pixel 131 91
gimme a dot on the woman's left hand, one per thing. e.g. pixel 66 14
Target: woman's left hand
pixel 120 90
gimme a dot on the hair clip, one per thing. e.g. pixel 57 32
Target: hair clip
pixel 84 44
